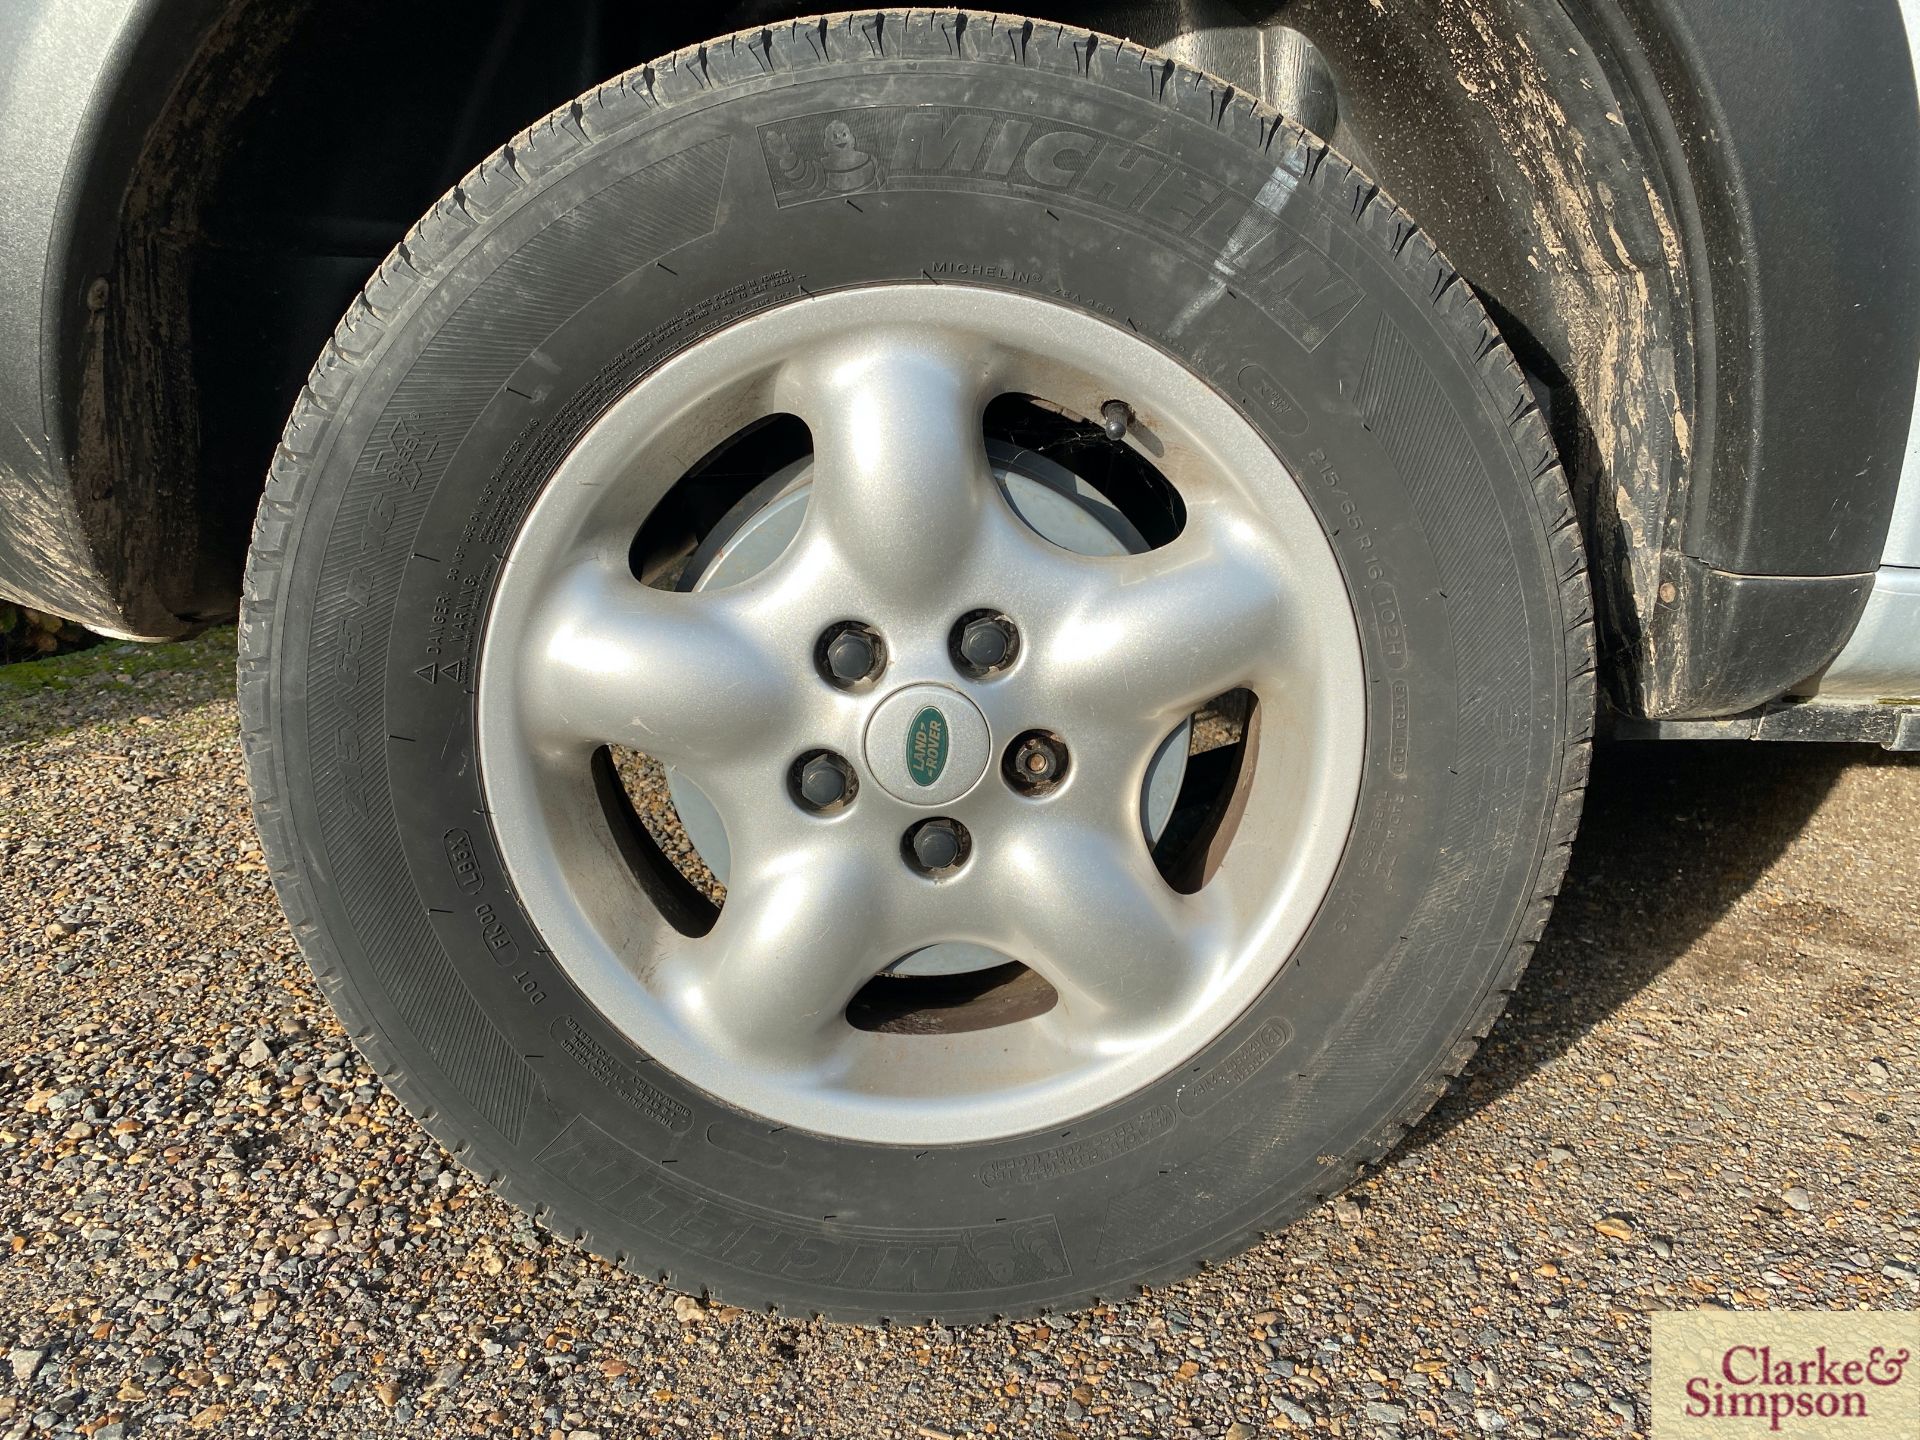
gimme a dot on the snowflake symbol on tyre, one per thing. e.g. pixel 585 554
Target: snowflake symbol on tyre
pixel 825 161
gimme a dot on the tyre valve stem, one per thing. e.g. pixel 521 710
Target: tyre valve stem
pixel 1116 417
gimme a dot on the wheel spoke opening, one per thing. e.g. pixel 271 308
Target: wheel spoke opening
pixel 645 823
pixel 689 530
pixel 1116 480
pixel 900 1003
pixel 1222 746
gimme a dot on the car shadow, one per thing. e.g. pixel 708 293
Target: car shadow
pixel 1673 834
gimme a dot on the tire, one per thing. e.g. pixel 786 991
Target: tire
pixel 649 216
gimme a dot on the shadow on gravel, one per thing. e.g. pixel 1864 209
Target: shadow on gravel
pixel 1673 834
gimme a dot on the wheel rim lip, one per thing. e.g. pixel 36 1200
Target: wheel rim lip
pixel 571 880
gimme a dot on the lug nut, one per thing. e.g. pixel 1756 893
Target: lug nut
pixel 850 654
pixel 1036 762
pixel 937 846
pixel 823 782
pixel 985 642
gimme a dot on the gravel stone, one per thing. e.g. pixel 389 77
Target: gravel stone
pixel 212 1216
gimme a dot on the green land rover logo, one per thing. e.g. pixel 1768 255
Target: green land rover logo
pixel 927 746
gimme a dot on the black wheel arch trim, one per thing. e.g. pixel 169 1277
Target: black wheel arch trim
pixel 1806 258
pixel 1747 417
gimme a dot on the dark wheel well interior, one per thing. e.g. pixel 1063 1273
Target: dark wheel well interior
pixel 302 143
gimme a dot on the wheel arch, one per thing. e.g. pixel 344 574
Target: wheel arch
pixel 1729 348
pixel 1586 163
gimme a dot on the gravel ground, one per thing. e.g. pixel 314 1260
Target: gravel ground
pixel 1705 1094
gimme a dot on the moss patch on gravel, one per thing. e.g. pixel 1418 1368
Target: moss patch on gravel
pixel 210 651
pixel 43 698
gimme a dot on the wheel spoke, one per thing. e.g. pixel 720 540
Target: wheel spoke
pixel 901 481
pixel 1155 635
pixel 611 661
pixel 798 936
pixel 1126 953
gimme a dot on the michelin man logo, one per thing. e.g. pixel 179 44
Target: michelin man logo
pixel 1021 1252
pixel 836 164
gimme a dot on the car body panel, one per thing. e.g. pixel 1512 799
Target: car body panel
pixel 82 82
pixel 1881 660
pixel 56 60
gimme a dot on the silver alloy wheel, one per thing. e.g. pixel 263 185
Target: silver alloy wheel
pixel 907 531
pixel 1053 501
